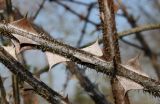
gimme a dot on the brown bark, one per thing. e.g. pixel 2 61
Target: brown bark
pixel 110 39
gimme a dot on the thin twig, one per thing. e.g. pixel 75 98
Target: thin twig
pixel 132 44
pixel 139 29
pixel 38 11
pixel 75 13
pixel 84 26
pixel 90 88
pixel 75 2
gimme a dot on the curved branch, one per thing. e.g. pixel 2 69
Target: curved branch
pixel 139 29
pixel 132 31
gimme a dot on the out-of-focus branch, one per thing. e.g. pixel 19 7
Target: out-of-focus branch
pixel 75 2
pixel 90 88
pixel 9 9
pixel 16 89
pixel 153 57
pixel 75 13
pixel 38 11
pixel 39 87
pixel 84 26
pixel 3 93
pixel 132 44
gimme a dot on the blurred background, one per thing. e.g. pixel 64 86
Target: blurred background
pixel 77 23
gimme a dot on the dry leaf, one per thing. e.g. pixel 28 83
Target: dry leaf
pixel 133 65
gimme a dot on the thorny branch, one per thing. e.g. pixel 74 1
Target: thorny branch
pixel 105 17
pixel 83 58
pixel 39 87
pixel 79 60
pixel 111 47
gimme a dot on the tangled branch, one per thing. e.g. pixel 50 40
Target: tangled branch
pixel 83 58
